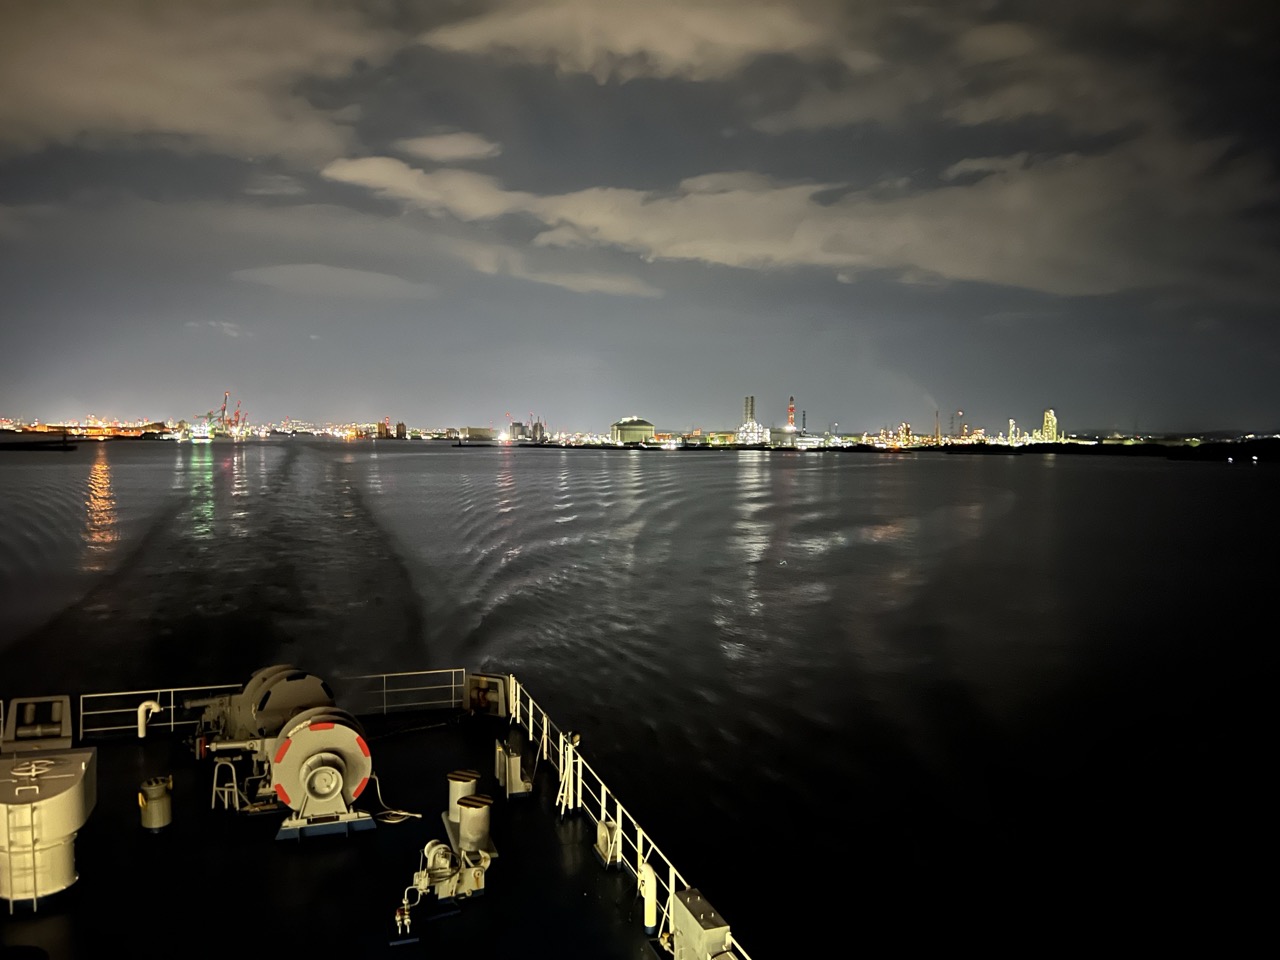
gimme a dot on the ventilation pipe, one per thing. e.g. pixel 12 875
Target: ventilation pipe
pixel 145 710
pixel 649 890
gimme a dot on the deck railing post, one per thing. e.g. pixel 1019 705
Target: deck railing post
pixel 572 769
pixel 617 818
pixel 562 792
pixel 668 911
pixel 513 697
pixel 578 757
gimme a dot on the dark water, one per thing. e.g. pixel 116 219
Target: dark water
pixel 903 699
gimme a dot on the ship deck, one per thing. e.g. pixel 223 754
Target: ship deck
pixel 221 879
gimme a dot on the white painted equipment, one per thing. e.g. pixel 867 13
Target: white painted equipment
pixel 455 869
pixel 320 764
pixel 155 803
pixel 145 709
pixel 268 701
pixel 466 821
pixel 462 783
pixel 698 932
pixel 508 765
pixel 297 749
pixel 608 845
pixel 446 874
pixel 47 792
pixel 37 724
pixel 473 824
pixel 648 881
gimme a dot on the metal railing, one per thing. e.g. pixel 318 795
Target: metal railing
pixel 414 690
pixel 116 712
pixel 582 789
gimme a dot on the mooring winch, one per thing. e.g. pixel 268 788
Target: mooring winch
pixel 281 740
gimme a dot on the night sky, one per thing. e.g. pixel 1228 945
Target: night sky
pixel 585 209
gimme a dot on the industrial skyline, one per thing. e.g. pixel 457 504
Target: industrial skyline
pixel 628 430
pixel 348 209
pixel 232 421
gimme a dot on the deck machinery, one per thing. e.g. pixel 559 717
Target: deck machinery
pixel 47 791
pixel 457 868
pixel 282 741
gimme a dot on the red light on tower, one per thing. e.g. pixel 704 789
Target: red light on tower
pixel 791 413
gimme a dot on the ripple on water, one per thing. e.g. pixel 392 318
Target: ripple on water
pixel 762 633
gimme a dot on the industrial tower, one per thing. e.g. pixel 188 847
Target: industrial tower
pixel 1050 429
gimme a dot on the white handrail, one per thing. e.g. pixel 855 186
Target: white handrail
pixel 122 706
pixel 577 777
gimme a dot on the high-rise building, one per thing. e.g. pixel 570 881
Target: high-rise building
pixel 748 409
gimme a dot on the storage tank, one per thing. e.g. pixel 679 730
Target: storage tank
pixel 46 799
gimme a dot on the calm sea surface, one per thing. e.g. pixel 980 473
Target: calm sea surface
pixel 847 694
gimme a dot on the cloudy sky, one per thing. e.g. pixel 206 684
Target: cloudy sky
pixel 447 212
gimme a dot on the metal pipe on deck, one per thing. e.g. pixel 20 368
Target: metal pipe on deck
pixel 145 709
pixel 649 890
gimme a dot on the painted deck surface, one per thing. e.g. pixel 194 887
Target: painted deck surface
pixel 218 883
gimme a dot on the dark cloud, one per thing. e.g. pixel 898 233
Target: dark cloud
pixel 590 209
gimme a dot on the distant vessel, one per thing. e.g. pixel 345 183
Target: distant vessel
pixel 200 433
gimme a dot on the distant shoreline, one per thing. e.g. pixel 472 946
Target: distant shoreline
pixel 1252 450
pixel 1266 449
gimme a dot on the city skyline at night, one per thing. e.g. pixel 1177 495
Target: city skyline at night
pixel 340 211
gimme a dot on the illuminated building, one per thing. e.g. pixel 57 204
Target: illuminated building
pixel 750 432
pixel 631 430
pixel 1050 429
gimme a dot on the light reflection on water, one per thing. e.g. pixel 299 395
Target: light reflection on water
pixel 937 638
pixel 100 523
pixel 200 487
pixel 507 494
pixel 239 492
